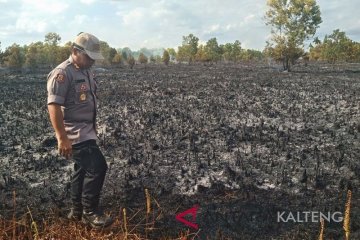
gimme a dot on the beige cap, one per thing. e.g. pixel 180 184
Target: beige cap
pixel 90 44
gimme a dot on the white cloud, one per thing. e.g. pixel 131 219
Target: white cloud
pixel 29 25
pixel 230 26
pixel 80 19
pixel 212 29
pixel 36 16
pixel 249 18
pixel 44 6
pixel 133 17
pixel 87 2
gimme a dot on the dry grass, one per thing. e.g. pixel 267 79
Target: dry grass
pixel 347 216
pixel 57 228
pixel 322 227
pixel 60 228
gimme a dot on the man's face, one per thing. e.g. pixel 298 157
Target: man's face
pixel 82 59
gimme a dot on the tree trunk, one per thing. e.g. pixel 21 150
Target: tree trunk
pixel 286 64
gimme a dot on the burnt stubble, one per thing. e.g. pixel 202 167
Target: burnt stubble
pixel 242 141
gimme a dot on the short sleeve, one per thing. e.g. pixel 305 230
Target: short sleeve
pixel 57 86
pixel 93 74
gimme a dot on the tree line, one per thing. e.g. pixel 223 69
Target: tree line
pixel 334 48
pixel 50 53
pixel 292 22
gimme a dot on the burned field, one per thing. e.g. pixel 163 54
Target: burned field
pixel 243 142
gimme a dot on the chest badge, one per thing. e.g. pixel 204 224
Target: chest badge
pixel 83 87
pixel 82 96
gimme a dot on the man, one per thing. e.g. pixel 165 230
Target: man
pixel 72 108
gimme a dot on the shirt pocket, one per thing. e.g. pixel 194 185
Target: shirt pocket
pixel 82 91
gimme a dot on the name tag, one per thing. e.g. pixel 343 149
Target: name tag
pixel 79 80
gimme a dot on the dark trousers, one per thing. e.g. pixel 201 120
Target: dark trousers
pixel 89 174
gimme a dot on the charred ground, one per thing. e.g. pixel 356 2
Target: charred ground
pixel 241 141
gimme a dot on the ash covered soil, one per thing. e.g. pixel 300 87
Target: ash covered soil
pixel 243 142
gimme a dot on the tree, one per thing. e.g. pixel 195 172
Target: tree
pixel 236 51
pixel 251 55
pixel 152 59
pixel 292 21
pixel 142 58
pixel 172 54
pixel 51 48
pixel 117 59
pixel 146 52
pixel 188 49
pixel 158 59
pixel 227 51
pixel 125 52
pixel 52 38
pixel 166 57
pixel 131 61
pixel 335 47
pixel 212 50
pixel 107 52
pixel 201 55
pixel 63 52
pixel 112 53
pixel 32 56
pixel 14 56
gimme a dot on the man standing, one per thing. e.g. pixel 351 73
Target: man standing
pixel 72 108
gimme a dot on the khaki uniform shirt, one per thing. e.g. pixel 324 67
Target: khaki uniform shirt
pixel 75 90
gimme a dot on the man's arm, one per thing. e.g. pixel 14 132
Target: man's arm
pixel 56 117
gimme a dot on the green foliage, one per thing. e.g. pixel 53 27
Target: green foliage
pixel 125 53
pixel 117 59
pixel 52 38
pixel 131 61
pixel 112 53
pixel 166 57
pixel 188 49
pixel 172 53
pixel 335 47
pixel 32 56
pixel 158 59
pixel 107 52
pixel 232 51
pixel 51 49
pixel 212 50
pixel 14 56
pixel 201 55
pixel 292 21
pixel 142 58
pixel 63 53
pixel 152 59
pixel 49 53
pixel 251 55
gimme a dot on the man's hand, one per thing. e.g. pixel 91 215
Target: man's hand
pixel 64 147
pixel 56 117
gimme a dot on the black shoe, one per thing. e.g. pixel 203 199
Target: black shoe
pixel 74 215
pixel 96 219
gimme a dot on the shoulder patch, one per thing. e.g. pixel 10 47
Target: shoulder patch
pixel 60 78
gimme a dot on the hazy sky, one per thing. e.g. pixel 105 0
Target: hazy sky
pixel 157 23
